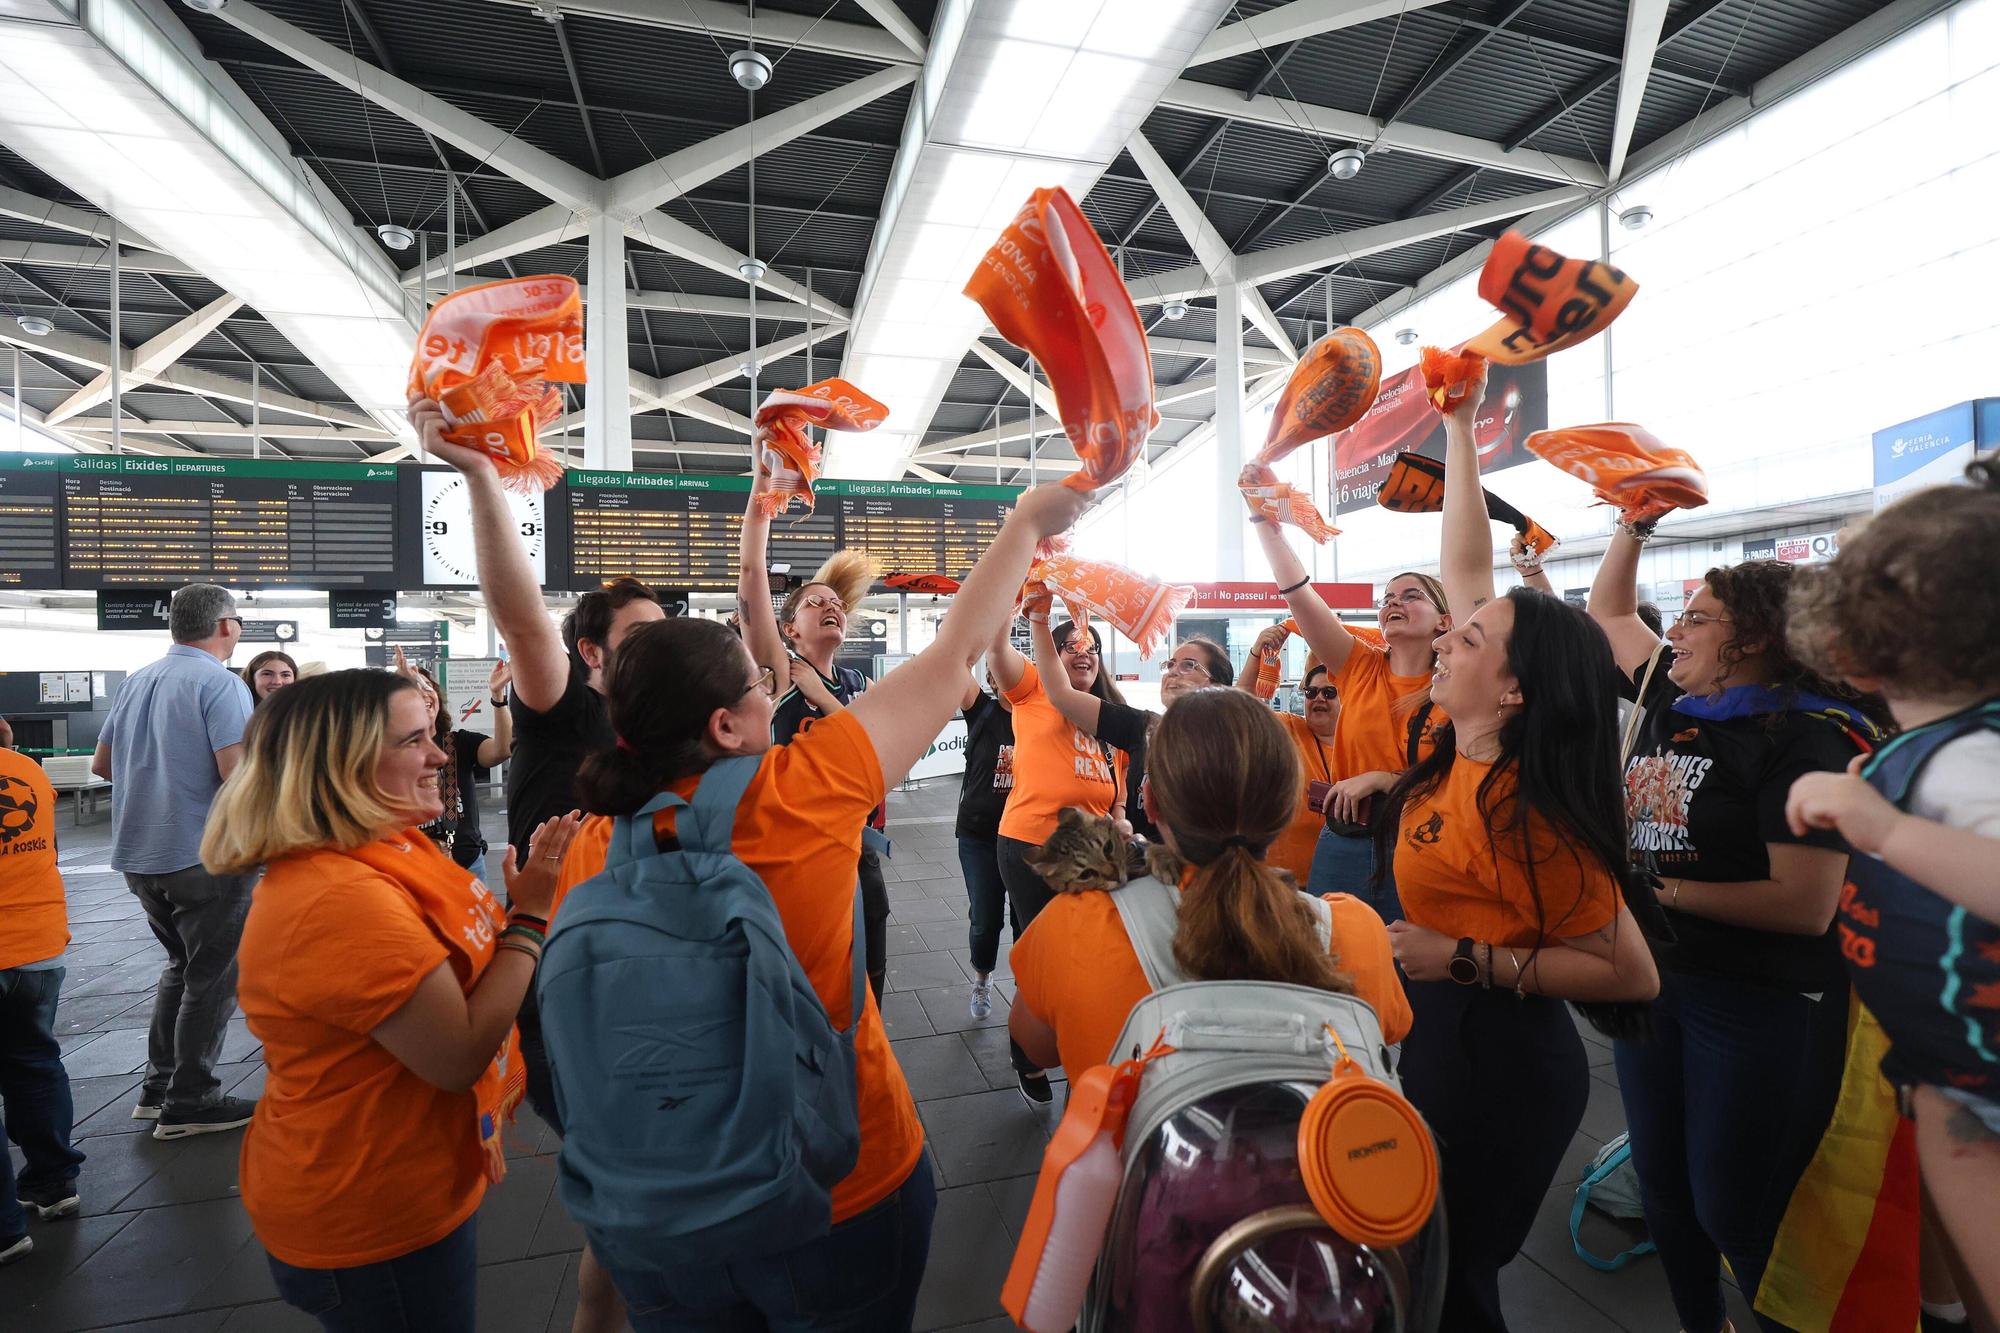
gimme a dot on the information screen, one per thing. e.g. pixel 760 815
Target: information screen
pixel 683 530
pixel 30 533
pixel 147 521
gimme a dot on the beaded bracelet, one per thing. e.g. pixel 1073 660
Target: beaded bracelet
pixel 540 923
pixel 515 946
pixel 529 933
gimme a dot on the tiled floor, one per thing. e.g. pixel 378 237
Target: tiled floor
pixel 163 1243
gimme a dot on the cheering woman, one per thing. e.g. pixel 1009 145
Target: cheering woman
pixel 383 980
pixel 1387 718
pixel 685 693
pixel 1729 1097
pixel 1508 847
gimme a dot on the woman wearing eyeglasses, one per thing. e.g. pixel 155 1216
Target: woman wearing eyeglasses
pixel 1728 1098
pixel 1386 721
pixel 685 693
pixel 1312 736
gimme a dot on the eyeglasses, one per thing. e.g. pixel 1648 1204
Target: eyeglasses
pixel 1078 647
pixel 822 601
pixel 237 619
pixel 1696 619
pixel 1408 597
pixel 766 683
pixel 1185 666
pixel 1326 692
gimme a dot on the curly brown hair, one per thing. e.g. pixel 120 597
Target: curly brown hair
pixel 1912 599
pixel 1758 595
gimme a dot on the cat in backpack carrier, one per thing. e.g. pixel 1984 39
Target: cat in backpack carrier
pixel 1242 1158
pixel 1087 852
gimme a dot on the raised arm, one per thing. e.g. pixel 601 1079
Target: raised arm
pixel 905 711
pixel 1081 708
pixel 1467 554
pixel 1318 625
pixel 493 751
pixel 1614 601
pixel 1003 659
pixel 1529 566
pixel 506 578
pixel 753 578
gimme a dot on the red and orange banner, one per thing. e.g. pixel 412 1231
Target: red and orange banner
pixel 790 457
pixel 490 356
pixel 1049 286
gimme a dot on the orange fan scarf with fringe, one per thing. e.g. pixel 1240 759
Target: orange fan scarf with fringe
pixel 791 459
pixel 1627 466
pixel 1331 388
pixel 1549 302
pixel 1140 608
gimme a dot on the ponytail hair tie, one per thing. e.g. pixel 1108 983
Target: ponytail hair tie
pixel 1247 844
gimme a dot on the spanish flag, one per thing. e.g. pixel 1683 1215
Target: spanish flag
pixel 1845 1258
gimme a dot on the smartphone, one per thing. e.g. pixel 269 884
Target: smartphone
pixel 1316 794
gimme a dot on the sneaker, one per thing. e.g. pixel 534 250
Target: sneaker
pixel 52 1201
pixel 15 1247
pixel 982 999
pixel 229 1113
pixel 149 1105
pixel 1035 1088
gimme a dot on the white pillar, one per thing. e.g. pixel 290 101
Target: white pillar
pixel 256 410
pixel 607 419
pixel 117 351
pixel 1229 458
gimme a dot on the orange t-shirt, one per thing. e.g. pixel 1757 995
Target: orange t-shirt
pixel 352 1157
pixel 1456 879
pixel 1373 735
pixel 1076 970
pixel 34 924
pixel 798 828
pixel 1056 765
pixel 1293 850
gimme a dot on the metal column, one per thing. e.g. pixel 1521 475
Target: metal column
pixel 117 352
pixel 607 353
pixel 1229 525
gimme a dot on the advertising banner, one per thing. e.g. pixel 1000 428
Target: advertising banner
pixel 1813 549
pixel 946 755
pixel 1928 451
pixel 1516 405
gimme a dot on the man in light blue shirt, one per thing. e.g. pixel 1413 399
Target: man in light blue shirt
pixel 174 733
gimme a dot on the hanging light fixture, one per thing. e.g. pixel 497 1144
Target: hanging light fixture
pixel 35 326
pixel 1406 336
pixel 1345 165
pixel 750 69
pixel 1635 217
pixel 395 237
pixel 1175 309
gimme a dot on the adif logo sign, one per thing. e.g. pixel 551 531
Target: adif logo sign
pixel 947 745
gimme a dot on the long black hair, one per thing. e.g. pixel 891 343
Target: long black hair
pixel 1560 751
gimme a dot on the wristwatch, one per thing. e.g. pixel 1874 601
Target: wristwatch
pixel 1463 968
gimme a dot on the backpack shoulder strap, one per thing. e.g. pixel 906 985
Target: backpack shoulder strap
pixel 1322 911
pixel 1150 913
pixel 711 821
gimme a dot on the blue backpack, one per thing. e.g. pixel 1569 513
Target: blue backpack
pixel 708 1103
pixel 1612 1187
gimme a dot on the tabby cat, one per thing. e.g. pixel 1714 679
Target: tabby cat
pixel 1087 852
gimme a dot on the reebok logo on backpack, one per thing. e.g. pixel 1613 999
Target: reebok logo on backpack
pixel 708 1101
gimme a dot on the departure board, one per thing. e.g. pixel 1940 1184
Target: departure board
pixel 683 529
pixel 237 522
pixel 30 533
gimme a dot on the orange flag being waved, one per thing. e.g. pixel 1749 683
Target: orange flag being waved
pixel 935 584
pixel 1331 388
pixel 1627 466
pixel 488 354
pixel 1140 608
pixel 1049 286
pixel 1549 302
pixel 790 458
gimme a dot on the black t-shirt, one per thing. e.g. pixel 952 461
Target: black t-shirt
pixel 1705 798
pixel 794 713
pixel 989 769
pixel 548 749
pixel 1127 728
pixel 467 843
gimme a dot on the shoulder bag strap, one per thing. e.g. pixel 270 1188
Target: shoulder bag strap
pixel 1150 913
pixel 1638 708
pixel 1416 732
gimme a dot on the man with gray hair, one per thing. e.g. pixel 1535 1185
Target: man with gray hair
pixel 174 733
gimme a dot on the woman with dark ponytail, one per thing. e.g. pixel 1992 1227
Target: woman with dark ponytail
pixel 1508 849
pixel 1223 785
pixel 685 693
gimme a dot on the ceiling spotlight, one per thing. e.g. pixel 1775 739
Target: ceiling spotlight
pixel 752 69
pixel 395 237
pixel 1406 336
pixel 1635 217
pixel 35 326
pixel 1175 309
pixel 753 270
pixel 206 6
pixel 1345 165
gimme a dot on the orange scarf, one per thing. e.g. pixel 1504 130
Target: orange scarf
pixel 467 921
pixel 1268 667
pixel 1415 485
pixel 937 584
pixel 1331 388
pixel 1140 608
pixel 791 459
pixel 1051 288
pixel 1549 302
pixel 1626 466
pixel 487 356
pixel 1450 376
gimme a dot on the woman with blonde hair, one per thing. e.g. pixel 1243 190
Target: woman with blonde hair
pixel 1223 783
pixel 382 980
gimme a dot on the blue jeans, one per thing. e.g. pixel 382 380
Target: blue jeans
pixel 34 1090
pixel 431 1290
pixel 1726 1103
pixel 986 895
pixel 478 869
pixel 861 1277
pixel 1347 865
